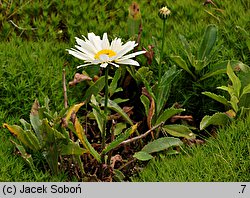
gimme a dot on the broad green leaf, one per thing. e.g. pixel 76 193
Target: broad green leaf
pixel 120 100
pixel 82 137
pixel 168 113
pixel 216 119
pixel 208 42
pixel 181 63
pixel 27 157
pixel 25 124
pixel 35 120
pixel 119 127
pixel 179 131
pixel 113 84
pixel 235 80
pixel 115 107
pixel 234 103
pixel 146 102
pixel 161 144
pixel 216 97
pixel 95 88
pixel 73 109
pixel 26 137
pixel 120 139
pixel 134 20
pixel 143 156
pixel 72 149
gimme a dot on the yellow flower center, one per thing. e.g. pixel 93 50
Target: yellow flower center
pixel 108 52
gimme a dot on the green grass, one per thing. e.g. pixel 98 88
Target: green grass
pixel 225 158
pixel 31 63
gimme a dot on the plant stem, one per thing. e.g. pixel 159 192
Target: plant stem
pixel 162 48
pixel 105 108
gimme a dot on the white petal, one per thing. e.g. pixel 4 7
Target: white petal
pixel 104 65
pixel 126 48
pixel 87 46
pixel 83 65
pixel 88 53
pixel 116 45
pixel 114 64
pixel 132 55
pixel 128 62
pixel 95 40
pixel 105 42
pixel 78 54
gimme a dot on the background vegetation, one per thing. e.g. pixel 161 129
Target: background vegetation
pixel 34 37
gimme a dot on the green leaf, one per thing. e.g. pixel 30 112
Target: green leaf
pixel 179 131
pixel 187 49
pixel 168 113
pixel 208 42
pixel 95 88
pixel 27 157
pixel 99 116
pixel 119 127
pixel 143 156
pixel 120 139
pixel 181 63
pixel 113 84
pixel 146 102
pixel 73 109
pixel 213 73
pixel 118 175
pixel 35 120
pixel 26 137
pixel 216 97
pixel 72 149
pixel 115 107
pixel 216 119
pixel 235 80
pixel 162 144
pixel 163 88
pixel 246 90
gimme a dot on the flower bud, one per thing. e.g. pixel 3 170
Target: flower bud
pixel 164 12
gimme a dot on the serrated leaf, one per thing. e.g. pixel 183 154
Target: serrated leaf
pixel 216 97
pixel 216 119
pixel 179 131
pixel 118 175
pixel 143 156
pixel 187 49
pixel 168 113
pixel 161 144
pixel 120 139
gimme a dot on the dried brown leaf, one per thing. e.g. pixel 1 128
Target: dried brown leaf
pixel 79 78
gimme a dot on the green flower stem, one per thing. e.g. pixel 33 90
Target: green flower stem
pixel 105 110
pixel 162 48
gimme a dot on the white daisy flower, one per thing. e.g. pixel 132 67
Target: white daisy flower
pixel 94 50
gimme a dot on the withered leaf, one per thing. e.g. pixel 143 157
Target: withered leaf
pixel 79 78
